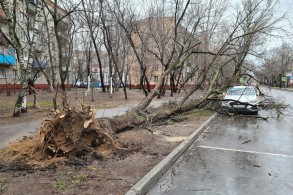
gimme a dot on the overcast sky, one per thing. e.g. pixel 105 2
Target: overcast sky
pixel 285 6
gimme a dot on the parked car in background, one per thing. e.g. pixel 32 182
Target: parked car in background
pixel 241 99
pixel 80 84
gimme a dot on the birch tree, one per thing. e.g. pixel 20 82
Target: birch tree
pixel 11 12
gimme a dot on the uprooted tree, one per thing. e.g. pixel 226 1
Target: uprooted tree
pixel 220 47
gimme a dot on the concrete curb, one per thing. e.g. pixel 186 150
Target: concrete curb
pixel 149 180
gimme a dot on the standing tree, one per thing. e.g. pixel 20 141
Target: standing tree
pixel 92 19
pixel 64 30
pixel 15 30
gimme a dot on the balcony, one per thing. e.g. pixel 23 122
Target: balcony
pixel 7 60
pixel 39 64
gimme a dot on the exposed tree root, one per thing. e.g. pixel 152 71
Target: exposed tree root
pixel 72 133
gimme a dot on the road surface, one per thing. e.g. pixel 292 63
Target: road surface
pixel 240 155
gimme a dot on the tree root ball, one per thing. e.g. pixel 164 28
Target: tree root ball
pixel 69 135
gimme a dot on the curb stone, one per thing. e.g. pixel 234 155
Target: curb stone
pixel 149 180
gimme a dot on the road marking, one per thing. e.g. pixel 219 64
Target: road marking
pixel 246 151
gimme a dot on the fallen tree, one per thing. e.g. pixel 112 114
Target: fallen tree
pixel 73 133
pixel 76 134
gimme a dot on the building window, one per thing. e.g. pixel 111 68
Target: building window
pixel 31 22
pixel 2 73
pixel 25 56
pixel 15 74
pixel 22 36
pixel 21 17
pixel 188 70
pixel 155 45
pixel 155 67
pixel 11 51
pixel 156 78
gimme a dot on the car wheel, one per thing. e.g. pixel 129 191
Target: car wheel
pixel 256 111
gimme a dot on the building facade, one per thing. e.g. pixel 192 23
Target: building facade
pixel 35 31
pixel 154 39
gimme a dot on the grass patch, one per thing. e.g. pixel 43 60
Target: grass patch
pixel 200 114
pixel 43 104
pixel 203 113
pixel 7 105
pixel 80 178
pixel 3 184
pixel 2 150
pixel 62 185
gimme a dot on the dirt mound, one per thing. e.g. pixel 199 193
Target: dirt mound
pixel 69 135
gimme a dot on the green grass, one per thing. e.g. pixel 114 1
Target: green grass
pixel 62 185
pixel 203 113
pixel 3 184
pixel 44 104
pixel 80 178
pixel 7 105
pixel 200 113
pixel 10 104
pixel 2 150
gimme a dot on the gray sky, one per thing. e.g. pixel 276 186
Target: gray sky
pixel 285 6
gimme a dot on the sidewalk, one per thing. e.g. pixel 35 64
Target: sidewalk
pixel 283 89
pixel 17 131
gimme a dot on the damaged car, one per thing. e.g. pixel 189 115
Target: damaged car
pixel 241 99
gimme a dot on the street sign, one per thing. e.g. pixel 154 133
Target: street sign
pixel 284 79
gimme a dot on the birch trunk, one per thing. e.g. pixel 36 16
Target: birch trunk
pixel 21 103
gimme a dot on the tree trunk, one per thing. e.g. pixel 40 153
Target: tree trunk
pixel 142 82
pixel 20 105
pixel 144 103
pixel 51 84
pixel 136 118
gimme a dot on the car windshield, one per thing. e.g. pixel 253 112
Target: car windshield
pixel 241 91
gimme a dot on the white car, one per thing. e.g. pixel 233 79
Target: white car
pixel 241 99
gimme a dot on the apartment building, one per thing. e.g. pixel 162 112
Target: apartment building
pixel 155 37
pixel 36 29
pixel 151 37
pixel 8 70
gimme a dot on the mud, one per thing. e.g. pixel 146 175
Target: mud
pixel 107 171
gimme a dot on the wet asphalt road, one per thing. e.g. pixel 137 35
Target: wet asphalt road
pixel 240 155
